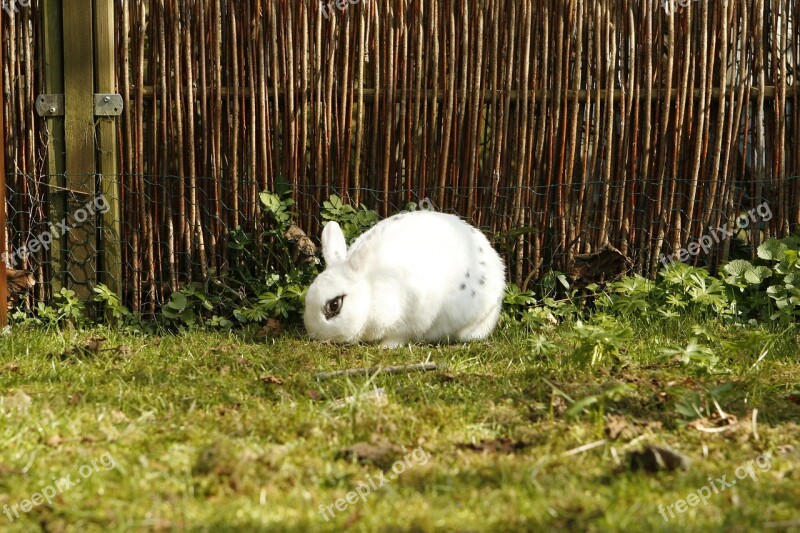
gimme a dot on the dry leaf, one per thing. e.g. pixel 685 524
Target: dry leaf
pixel 93 345
pixel 272 328
pixel 55 441
pixel 75 398
pixel 314 394
pixel 559 404
pixel 618 425
pixel 269 379
pixel 9 368
pixel 501 445
pixel 6 470
pixel 19 401
pixel 118 417
pixel 379 452
pixel 125 351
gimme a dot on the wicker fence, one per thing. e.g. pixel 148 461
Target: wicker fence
pixel 557 126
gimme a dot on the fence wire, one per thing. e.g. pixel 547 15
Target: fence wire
pixel 163 251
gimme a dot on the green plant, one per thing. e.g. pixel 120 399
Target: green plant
pixel 771 290
pixel 283 298
pixel 691 404
pixel 353 221
pixel 112 304
pixel 602 339
pixel 613 393
pixel 693 289
pixel 68 306
pixel 516 302
pixel 277 207
pixel 540 346
pixel 185 307
pixel 179 309
pixel 631 295
pixel 694 353
pixel 268 281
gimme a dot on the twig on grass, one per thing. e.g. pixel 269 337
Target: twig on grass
pixel 421 367
pixel 585 447
pixel 755 429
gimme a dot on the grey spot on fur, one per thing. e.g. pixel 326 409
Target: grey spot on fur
pixel 480 249
pixel 467 274
pixel 483 280
pixel 463 286
pixel 473 294
pixel 482 263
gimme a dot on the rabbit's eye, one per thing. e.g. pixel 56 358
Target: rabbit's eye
pixel 333 307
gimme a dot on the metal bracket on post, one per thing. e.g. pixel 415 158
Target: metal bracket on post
pixel 105 105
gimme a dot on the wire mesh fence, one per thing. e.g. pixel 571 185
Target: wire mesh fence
pixel 162 250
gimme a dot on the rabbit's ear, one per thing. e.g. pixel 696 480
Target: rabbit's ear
pixel 334 247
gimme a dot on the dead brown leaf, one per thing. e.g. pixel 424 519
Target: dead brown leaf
pixel 19 401
pixel 501 445
pixel 6 470
pixel 558 403
pixel 270 380
pixel 272 328
pixel 55 441
pixel 617 426
pixel 125 351
pixel 314 395
pixel 118 417
pixel 75 398
pixel 93 345
pixel 9 368
pixel 379 452
pixel 785 449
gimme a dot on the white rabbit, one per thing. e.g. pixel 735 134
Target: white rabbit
pixel 418 276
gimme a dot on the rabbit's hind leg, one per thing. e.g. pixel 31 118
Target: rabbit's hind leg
pixel 481 328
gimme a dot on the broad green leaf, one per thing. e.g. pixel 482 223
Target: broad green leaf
pixel 771 250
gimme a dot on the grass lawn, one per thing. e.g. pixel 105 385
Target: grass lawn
pixel 224 432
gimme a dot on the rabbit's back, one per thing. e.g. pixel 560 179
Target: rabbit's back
pixel 435 274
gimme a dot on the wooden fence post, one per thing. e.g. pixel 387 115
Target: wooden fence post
pixel 105 64
pixel 4 250
pixel 54 84
pixel 79 136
